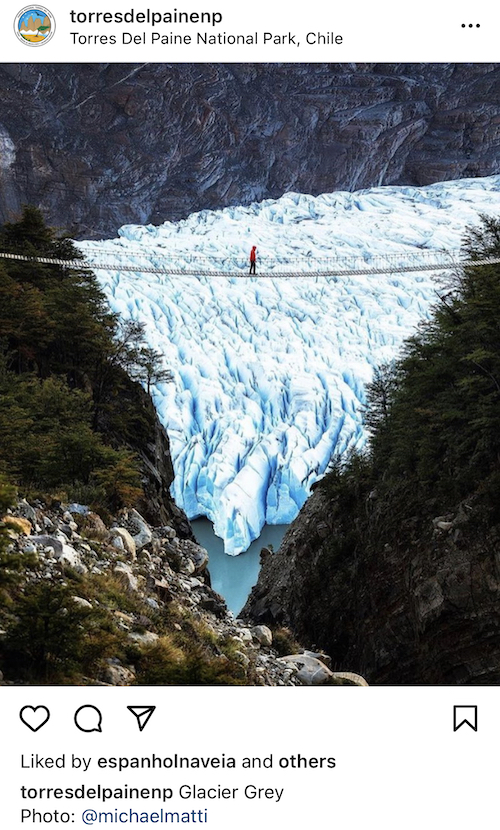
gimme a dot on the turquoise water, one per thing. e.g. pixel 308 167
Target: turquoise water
pixel 235 576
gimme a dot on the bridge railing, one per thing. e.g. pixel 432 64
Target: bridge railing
pixel 152 262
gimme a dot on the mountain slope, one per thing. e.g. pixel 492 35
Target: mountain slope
pixel 99 145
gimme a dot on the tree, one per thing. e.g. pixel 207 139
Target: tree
pixel 52 636
pixel 119 478
pixel 149 368
pixel 379 395
pixel 444 424
pixel 434 416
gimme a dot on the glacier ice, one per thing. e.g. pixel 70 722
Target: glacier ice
pixel 270 373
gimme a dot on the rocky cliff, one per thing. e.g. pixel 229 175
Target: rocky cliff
pixel 420 609
pixel 100 145
pixel 148 440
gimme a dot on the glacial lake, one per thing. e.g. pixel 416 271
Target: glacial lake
pixel 234 576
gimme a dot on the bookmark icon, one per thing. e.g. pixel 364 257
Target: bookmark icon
pixel 142 713
pixel 465 715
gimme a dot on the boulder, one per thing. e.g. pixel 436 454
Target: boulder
pixel 79 509
pixel 27 511
pixel 93 525
pixel 128 542
pixel 197 555
pixel 187 567
pixel 350 678
pixel 263 635
pixel 67 530
pixel 46 541
pixel 444 525
pixel 143 534
pixel 321 656
pixel 70 557
pixel 309 670
pixel 214 603
pixel 245 635
pixel 118 675
pixel 148 638
pixel 242 658
pixel 160 587
pixel 166 532
pixel 124 621
pixel 83 603
pixel 126 577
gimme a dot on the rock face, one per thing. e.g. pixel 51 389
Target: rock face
pixel 149 442
pixel 100 145
pixel 422 610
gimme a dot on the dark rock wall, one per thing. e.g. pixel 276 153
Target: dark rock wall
pixel 142 432
pixel 100 145
pixel 157 477
pixel 421 610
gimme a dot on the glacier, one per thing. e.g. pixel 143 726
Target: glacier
pixel 269 374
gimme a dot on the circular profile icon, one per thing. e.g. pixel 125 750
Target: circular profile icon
pixel 34 25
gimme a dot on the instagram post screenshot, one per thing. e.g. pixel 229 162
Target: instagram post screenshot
pixel 249 415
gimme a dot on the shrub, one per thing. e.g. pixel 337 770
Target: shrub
pixel 54 638
pixel 285 643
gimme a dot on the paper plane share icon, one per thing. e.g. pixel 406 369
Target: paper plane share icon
pixel 142 713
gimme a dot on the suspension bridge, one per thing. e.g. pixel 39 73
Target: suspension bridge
pixel 194 265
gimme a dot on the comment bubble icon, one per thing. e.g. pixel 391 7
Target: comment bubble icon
pixel 88 719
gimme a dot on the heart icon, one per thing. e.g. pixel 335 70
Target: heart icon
pixel 34 717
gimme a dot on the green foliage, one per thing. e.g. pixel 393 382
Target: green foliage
pixel 47 441
pixel 71 415
pixel 149 368
pixel 284 642
pixel 434 415
pixel 54 319
pixel 53 638
pixel 443 429
pixel 119 479
pixel 191 664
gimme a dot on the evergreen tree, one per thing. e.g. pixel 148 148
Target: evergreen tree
pixel 66 365
pixel 434 415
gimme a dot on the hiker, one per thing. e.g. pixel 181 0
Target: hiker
pixel 253 259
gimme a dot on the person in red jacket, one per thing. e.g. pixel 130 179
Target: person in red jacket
pixel 253 259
